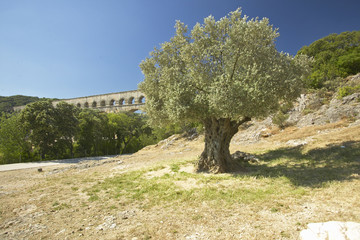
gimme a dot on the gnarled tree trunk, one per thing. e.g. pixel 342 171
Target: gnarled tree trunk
pixel 216 156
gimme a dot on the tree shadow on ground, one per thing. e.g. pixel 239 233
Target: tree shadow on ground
pixel 314 168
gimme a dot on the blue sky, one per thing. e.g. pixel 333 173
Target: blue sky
pixel 74 48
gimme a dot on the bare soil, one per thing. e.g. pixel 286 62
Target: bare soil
pixel 58 202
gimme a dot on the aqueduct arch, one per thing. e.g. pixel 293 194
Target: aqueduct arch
pixel 111 102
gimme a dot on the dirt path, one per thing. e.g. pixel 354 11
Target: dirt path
pixel 18 166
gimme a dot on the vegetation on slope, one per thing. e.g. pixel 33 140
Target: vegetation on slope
pixel 336 55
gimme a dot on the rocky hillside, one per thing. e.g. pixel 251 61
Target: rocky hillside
pixel 312 109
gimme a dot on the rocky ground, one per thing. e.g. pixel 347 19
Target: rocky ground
pixel 290 186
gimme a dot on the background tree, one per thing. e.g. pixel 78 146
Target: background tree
pixel 222 74
pixel 66 128
pixel 13 144
pixel 127 128
pixel 90 128
pixel 39 120
pixel 336 55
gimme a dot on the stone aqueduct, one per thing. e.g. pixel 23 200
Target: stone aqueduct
pixel 111 102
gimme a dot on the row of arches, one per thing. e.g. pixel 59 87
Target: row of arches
pixel 112 102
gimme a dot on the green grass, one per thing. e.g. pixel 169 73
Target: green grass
pixel 134 186
pixel 60 206
pixel 286 173
pixel 175 167
pixel 316 168
pixel 93 197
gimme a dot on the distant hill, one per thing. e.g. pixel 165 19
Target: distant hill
pixel 7 103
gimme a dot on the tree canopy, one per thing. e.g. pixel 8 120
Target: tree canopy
pixel 222 73
pixel 336 55
pixel 43 131
pixel 13 144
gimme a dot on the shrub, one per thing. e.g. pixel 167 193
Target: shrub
pixel 348 90
pixel 280 119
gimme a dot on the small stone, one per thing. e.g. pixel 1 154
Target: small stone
pixel 40 170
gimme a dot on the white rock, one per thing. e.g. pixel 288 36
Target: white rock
pixel 295 143
pixel 331 231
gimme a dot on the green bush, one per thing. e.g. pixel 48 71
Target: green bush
pixel 281 116
pixel 348 90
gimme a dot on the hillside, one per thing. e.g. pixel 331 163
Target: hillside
pixel 306 172
pixel 336 55
pixel 312 109
pixel 7 103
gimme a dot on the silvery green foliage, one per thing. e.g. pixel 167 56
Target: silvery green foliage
pixel 222 69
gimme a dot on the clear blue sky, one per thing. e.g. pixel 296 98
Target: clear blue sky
pixel 74 48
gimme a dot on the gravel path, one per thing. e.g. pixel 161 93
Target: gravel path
pixel 17 166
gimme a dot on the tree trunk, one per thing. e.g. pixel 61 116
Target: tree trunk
pixel 216 156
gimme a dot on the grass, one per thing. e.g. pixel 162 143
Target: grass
pixel 175 167
pixel 285 173
pixel 315 168
pixel 56 206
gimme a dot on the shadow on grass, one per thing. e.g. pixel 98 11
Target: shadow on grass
pixel 314 168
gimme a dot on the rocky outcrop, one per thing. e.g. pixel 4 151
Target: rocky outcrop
pixel 337 109
pixel 314 109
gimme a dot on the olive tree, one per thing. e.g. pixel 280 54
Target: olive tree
pixel 221 73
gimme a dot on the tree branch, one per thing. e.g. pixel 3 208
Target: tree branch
pixel 237 58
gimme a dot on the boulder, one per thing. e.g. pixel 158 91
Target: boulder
pixel 244 157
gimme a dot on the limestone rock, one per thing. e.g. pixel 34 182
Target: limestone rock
pixel 108 224
pixel 244 157
pixel 331 231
